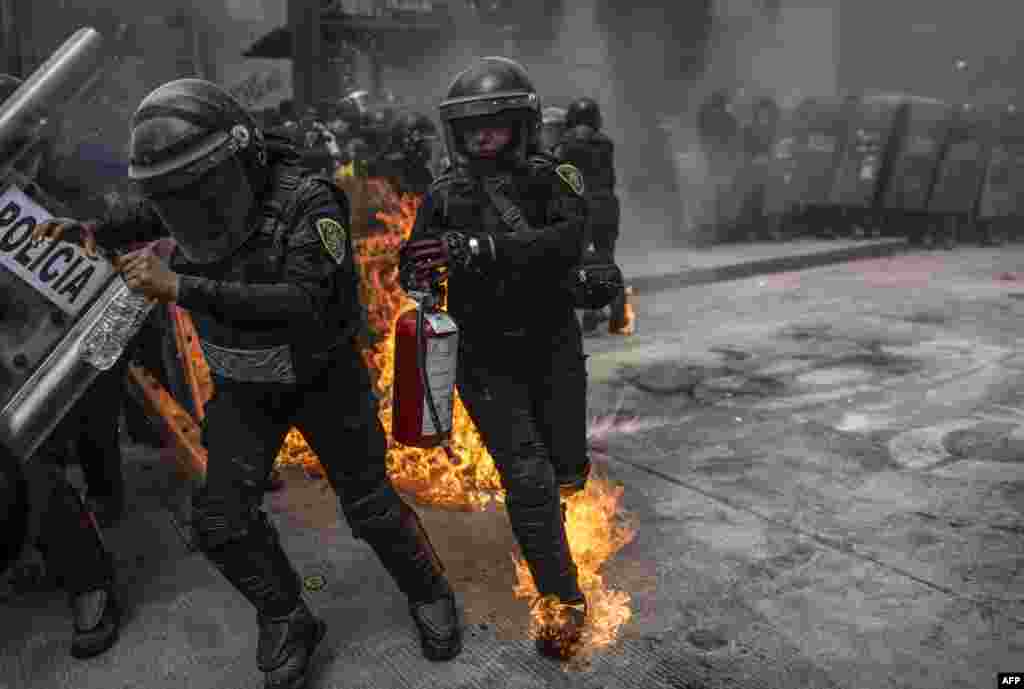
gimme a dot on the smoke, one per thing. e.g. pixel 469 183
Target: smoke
pixel 754 50
pixel 785 52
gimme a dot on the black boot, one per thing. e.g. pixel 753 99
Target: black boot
pixel 561 631
pixel 97 622
pixel 572 480
pixel 404 549
pixel 74 552
pixel 286 646
pixel 540 532
pixel 438 624
pixel 257 566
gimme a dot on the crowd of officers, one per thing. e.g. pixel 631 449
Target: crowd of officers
pixel 379 137
pixel 877 164
pixel 263 260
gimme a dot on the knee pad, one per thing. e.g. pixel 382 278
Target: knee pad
pixel 373 511
pixel 219 520
pixel 530 482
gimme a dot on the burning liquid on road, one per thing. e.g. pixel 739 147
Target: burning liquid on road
pixel 595 520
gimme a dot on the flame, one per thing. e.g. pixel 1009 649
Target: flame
pixel 628 326
pixel 597 528
pixel 595 520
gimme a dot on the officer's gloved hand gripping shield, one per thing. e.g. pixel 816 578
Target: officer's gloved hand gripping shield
pixel 64 316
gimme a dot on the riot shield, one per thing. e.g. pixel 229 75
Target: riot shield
pixel 921 129
pixel 866 161
pixel 804 164
pixel 961 175
pixel 1001 207
pixel 924 124
pixel 64 316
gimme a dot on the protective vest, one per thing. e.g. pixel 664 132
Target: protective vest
pixel 275 352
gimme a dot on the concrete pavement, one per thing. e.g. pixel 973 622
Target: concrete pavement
pixel 869 414
pixel 823 470
pixel 650 271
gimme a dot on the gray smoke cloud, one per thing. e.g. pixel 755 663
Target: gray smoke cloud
pixel 784 52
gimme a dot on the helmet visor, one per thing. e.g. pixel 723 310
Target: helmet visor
pixel 208 218
pixel 477 106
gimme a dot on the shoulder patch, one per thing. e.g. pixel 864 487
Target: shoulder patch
pixel 333 236
pixel 571 176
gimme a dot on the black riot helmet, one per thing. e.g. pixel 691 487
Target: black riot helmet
pixel 354 108
pixel 583 111
pixel 198 155
pixel 412 130
pixel 497 92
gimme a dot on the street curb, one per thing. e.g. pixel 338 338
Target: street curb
pixel 649 284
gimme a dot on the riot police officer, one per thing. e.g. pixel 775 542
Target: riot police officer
pixel 61 184
pixel 507 223
pixel 588 148
pixel 406 161
pixel 264 262
pixel 552 128
pixel 40 507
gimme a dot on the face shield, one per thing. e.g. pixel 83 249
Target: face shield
pixel 208 218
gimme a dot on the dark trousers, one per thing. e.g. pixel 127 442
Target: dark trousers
pixel 96 433
pixel 527 396
pixel 63 529
pixel 244 428
pixel 246 423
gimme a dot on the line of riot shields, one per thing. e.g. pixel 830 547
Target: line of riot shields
pixel 891 165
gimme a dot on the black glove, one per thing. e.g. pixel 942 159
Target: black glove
pixel 594 284
pixel 467 252
pixel 421 263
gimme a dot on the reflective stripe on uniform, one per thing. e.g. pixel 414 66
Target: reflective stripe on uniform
pixel 271 365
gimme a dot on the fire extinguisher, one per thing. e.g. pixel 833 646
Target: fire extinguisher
pixel 426 351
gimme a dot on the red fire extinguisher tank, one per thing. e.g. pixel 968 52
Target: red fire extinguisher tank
pixel 411 421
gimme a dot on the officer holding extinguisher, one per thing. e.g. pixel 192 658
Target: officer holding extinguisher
pixel 505 224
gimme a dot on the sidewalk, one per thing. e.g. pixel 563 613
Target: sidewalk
pixel 665 269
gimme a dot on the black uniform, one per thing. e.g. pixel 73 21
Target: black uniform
pixel 405 163
pixel 593 153
pixel 521 372
pixel 277 321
